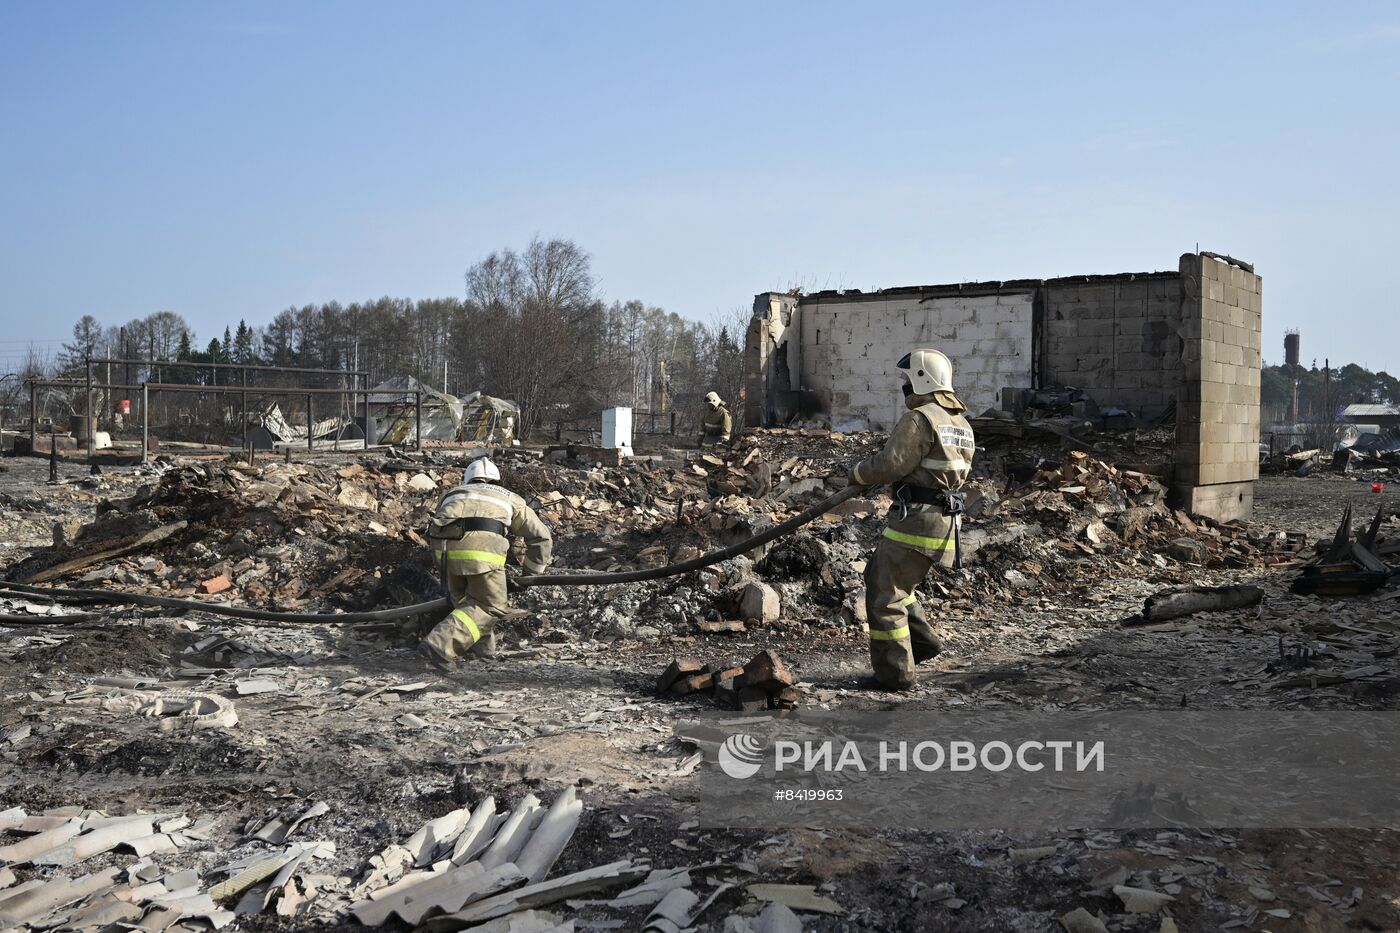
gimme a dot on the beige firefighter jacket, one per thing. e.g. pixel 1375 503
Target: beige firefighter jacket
pixel 931 447
pixel 477 552
pixel 718 423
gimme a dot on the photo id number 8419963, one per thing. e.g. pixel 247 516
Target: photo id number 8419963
pixel 804 793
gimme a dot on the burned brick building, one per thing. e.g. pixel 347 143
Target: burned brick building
pixel 1183 343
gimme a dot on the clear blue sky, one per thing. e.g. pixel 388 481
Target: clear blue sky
pixel 226 160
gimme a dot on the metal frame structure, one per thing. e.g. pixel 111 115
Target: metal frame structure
pixel 14 376
pixel 360 391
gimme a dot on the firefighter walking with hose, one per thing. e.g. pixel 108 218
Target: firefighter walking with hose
pixel 926 461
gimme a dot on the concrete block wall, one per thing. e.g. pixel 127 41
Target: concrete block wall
pixel 1118 340
pixel 1138 341
pixel 850 345
pixel 1217 433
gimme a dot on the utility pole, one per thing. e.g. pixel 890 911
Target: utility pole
pixel 1327 389
pixel 89 422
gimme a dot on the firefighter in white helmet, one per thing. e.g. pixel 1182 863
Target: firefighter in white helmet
pixel 718 423
pixel 470 533
pixel 926 461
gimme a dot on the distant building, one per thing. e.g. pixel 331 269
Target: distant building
pixel 1384 417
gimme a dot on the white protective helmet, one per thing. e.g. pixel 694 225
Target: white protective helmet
pixel 481 470
pixel 713 400
pixel 928 370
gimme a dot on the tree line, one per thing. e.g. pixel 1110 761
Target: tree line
pixel 531 327
pixel 1322 393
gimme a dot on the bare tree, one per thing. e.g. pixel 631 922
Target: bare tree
pixel 534 319
pixel 163 331
pixel 87 336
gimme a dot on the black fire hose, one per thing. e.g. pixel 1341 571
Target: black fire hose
pixel 219 609
pixel 437 606
pixel 695 563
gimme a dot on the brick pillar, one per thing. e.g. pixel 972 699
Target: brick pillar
pixel 1217 427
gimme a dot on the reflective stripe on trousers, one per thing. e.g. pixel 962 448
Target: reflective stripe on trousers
pixel 468 623
pixel 486 557
pixel 931 544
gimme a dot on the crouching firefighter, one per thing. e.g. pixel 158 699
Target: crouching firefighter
pixel 470 534
pixel 926 461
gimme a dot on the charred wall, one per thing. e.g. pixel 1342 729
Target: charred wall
pixel 1185 340
pixel 1117 338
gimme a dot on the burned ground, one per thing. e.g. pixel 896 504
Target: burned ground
pixel 349 716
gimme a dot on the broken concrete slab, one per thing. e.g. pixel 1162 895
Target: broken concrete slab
pixel 425 845
pixel 658 883
pixel 26 850
pixel 1188 551
pixel 539 895
pixel 1141 900
pixel 549 838
pixel 97 841
pixel 759 602
pixel 1080 920
pixel 799 897
pixel 514 833
pixel 280 827
pixel 672 913
pixel 478 832
pixel 446 892
pixel 35 903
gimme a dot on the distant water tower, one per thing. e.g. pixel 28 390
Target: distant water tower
pixel 1290 347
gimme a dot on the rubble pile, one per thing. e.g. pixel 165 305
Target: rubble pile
pixel 282 534
pixel 468 867
pixel 137 889
pixel 1350 566
pixel 1012 445
pixel 700 502
pixel 297 535
pixel 310 535
pixel 1092 508
pixel 1379 453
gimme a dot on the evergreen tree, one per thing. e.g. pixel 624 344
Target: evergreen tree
pixel 215 354
pixel 243 344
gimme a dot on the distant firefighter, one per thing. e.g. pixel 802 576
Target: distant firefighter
pixel 719 424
